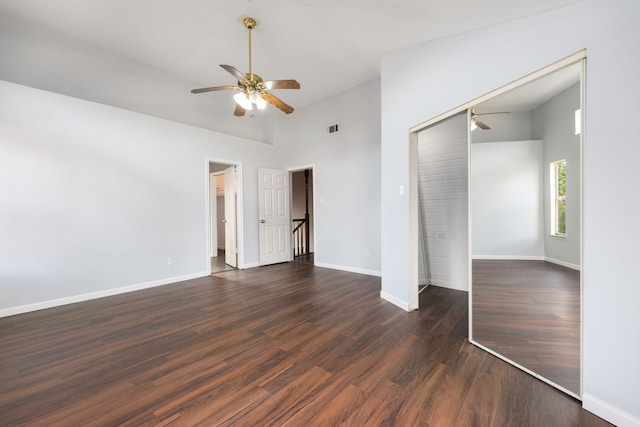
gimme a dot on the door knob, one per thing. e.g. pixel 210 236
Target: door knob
pixel 262 221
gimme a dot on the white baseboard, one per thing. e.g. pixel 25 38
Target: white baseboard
pixel 609 412
pixel 448 285
pixel 562 263
pixel 350 269
pixel 510 257
pixel 395 301
pixel 249 265
pixel 11 311
pixel 527 258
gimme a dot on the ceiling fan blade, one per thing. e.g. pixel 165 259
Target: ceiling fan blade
pixel 235 72
pixel 239 111
pixel 277 102
pixel 214 88
pixel 481 125
pixel 282 84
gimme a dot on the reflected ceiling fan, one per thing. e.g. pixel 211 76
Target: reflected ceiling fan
pixel 477 123
pixel 253 90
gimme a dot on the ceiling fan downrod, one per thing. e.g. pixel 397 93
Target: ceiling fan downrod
pixel 250 23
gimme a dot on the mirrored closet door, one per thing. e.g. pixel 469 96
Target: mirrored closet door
pixel 525 177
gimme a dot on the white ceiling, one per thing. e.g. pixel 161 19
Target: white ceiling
pixel 145 55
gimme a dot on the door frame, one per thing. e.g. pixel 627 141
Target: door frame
pixel 230 217
pixel 291 170
pixel 239 209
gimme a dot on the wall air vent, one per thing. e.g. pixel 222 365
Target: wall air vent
pixel 332 128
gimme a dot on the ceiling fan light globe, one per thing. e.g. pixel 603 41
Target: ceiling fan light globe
pixel 243 100
pixel 261 104
pixel 474 125
pixel 254 96
pixel 258 100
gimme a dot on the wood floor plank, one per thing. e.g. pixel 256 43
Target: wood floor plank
pixel 529 311
pixel 289 344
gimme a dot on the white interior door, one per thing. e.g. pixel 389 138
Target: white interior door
pixel 275 216
pixel 230 244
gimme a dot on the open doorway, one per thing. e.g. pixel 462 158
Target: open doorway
pixel 223 214
pixel 302 215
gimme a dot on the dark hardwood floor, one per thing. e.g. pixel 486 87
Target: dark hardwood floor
pixel 289 344
pixel 529 311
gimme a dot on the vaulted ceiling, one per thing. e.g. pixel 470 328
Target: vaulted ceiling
pixel 146 55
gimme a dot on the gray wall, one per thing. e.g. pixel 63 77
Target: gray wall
pixel 507 200
pixel 94 199
pixel 346 174
pixel 554 123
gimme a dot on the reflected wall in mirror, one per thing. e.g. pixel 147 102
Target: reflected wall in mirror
pixel 525 217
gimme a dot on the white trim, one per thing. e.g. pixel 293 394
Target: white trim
pixel 441 284
pixel 562 263
pixel 249 265
pixel 528 258
pixel 395 301
pixel 300 168
pixel 558 236
pixel 469 231
pixel 414 225
pixel 511 257
pixel 350 269
pixel 583 107
pixel 528 371
pixel 609 412
pixel 11 311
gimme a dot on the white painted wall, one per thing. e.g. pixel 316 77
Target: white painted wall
pixel 507 221
pixel 554 123
pixel 95 198
pixel 346 174
pixel 499 55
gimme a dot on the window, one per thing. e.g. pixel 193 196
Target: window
pixel 558 198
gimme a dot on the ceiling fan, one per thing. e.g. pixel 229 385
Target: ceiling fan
pixel 477 123
pixel 253 90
